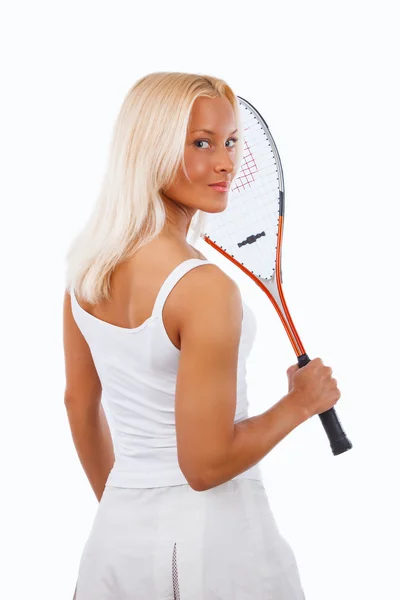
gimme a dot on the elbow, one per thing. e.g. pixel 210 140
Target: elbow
pixel 200 475
pixel 213 478
pixel 204 483
pixel 203 478
pixel 203 486
pixel 198 487
pixel 197 483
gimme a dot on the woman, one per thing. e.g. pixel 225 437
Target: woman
pixel 157 347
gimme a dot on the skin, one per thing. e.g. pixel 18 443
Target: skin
pixel 206 162
pixel 136 282
pixel 134 287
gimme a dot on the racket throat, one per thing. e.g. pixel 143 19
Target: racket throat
pixel 277 298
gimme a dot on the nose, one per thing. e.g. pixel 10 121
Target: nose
pixel 223 161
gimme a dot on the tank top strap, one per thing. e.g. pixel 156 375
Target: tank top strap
pixel 173 278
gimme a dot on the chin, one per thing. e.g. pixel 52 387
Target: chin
pixel 215 208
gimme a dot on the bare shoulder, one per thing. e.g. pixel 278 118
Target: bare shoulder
pixel 209 279
pixel 202 288
pixel 207 294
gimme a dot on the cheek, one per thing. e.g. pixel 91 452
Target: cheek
pixel 197 168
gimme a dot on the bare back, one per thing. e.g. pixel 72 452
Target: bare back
pixel 136 283
pixel 202 317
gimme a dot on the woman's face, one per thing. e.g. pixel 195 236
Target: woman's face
pixel 209 158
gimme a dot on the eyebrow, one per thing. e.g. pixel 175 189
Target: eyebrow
pixel 212 132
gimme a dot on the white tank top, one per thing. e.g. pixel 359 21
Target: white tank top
pixel 138 368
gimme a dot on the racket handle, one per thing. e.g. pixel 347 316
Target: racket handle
pixel 337 437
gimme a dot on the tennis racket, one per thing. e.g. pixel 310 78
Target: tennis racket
pixel 249 234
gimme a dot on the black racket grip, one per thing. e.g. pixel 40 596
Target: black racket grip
pixel 329 419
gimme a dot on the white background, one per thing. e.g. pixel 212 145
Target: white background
pixel 324 76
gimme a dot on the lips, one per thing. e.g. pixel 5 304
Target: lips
pixel 220 186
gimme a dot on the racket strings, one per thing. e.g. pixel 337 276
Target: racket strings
pixel 248 228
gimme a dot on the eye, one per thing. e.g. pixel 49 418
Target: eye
pixel 233 140
pixel 200 142
pixel 207 142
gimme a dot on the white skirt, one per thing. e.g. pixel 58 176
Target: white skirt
pixel 173 543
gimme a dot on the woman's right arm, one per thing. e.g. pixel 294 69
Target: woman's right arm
pixel 212 449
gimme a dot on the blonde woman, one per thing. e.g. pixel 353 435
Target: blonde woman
pixel 156 339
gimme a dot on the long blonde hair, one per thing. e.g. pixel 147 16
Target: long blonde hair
pixel 147 148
